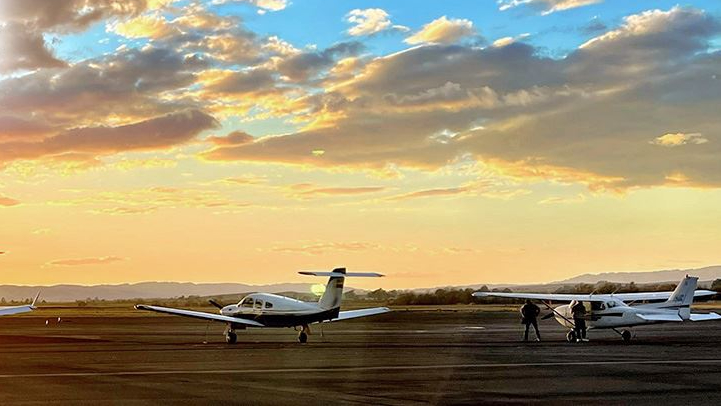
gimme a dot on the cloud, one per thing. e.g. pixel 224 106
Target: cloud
pixel 8 202
pixel 157 133
pixel 307 191
pixel 320 248
pixel 442 31
pixel 23 48
pixel 306 65
pixel 234 138
pixel 23 22
pixel 677 139
pixel 454 191
pixel 264 5
pixel 546 6
pixel 85 261
pixel 573 119
pixel 370 21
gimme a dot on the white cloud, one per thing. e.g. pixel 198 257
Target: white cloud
pixel 546 6
pixel 442 31
pixel 368 21
pixel 677 139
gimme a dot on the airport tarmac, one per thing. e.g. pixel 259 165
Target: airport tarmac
pixel 428 357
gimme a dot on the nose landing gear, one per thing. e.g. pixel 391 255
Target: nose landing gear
pixel 303 335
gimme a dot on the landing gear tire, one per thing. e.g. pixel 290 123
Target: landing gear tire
pixel 626 336
pixel 571 336
pixel 302 337
pixel 231 337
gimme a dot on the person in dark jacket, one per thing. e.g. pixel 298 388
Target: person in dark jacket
pixel 530 313
pixel 578 311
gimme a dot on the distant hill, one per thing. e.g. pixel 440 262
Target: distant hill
pixel 145 290
pixel 705 274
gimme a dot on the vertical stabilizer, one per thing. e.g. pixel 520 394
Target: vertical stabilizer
pixel 333 290
pixel 682 297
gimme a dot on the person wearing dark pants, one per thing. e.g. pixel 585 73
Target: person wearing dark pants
pixel 579 321
pixel 530 313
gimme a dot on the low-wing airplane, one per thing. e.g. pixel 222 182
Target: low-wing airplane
pixel 270 310
pixel 617 311
pixel 8 310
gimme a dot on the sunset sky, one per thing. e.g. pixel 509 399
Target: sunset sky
pixel 437 142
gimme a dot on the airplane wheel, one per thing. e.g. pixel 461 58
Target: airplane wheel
pixel 302 337
pixel 626 336
pixel 571 336
pixel 231 337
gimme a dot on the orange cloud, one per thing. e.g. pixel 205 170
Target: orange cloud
pixel 8 202
pixel 85 261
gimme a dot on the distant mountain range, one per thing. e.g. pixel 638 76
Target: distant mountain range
pixel 144 290
pixel 152 290
pixel 710 273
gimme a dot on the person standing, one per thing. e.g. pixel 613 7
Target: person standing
pixel 579 321
pixel 530 313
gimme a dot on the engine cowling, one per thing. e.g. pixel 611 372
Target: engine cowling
pixel 563 315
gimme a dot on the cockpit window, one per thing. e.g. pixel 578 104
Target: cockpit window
pixel 268 305
pixel 611 304
pixel 247 302
pixel 597 306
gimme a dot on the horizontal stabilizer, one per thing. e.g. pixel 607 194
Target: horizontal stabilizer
pixel 6 311
pixel 199 315
pixel 353 314
pixel 660 317
pixel 704 317
pixel 342 275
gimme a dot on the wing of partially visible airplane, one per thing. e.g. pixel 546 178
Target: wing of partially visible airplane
pixel 551 297
pixel 704 317
pixel 8 310
pixel 676 317
pixel 562 297
pixel 352 314
pixel 199 315
pixel 658 295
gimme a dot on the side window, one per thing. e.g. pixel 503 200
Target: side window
pixel 611 304
pixel 268 305
pixel 258 304
pixel 247 302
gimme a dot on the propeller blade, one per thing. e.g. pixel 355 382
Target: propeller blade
pixel 214 303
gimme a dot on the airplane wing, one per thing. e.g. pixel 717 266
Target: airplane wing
pixel 352 314
pixel 626 297
pixel 704 317
pixel 553 297
pixel 199 315
pixel 8 310
pixel 660 317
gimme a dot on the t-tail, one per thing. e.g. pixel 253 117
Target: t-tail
pixel 334 289
pixel 682 297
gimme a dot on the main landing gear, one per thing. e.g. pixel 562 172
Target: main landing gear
pixel 303 335
pixel 571 336
pixel 230 336
pixel 625 335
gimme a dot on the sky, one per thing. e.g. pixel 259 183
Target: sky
pixel 437 142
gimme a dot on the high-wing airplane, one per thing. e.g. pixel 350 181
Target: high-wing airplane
pixel 8 310
pixel 270 310
pixel 617 311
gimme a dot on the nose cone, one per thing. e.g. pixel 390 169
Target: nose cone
pixel 228 310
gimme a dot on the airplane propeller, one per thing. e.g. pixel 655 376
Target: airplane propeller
pixel 214 303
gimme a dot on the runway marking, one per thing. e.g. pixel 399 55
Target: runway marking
pixel 359 369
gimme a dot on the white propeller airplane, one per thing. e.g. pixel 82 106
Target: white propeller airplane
pixel 270 310
pixel 613 312
pixel 8 310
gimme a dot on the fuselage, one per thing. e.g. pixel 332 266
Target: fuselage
pixel 613 313
pixel 278 311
